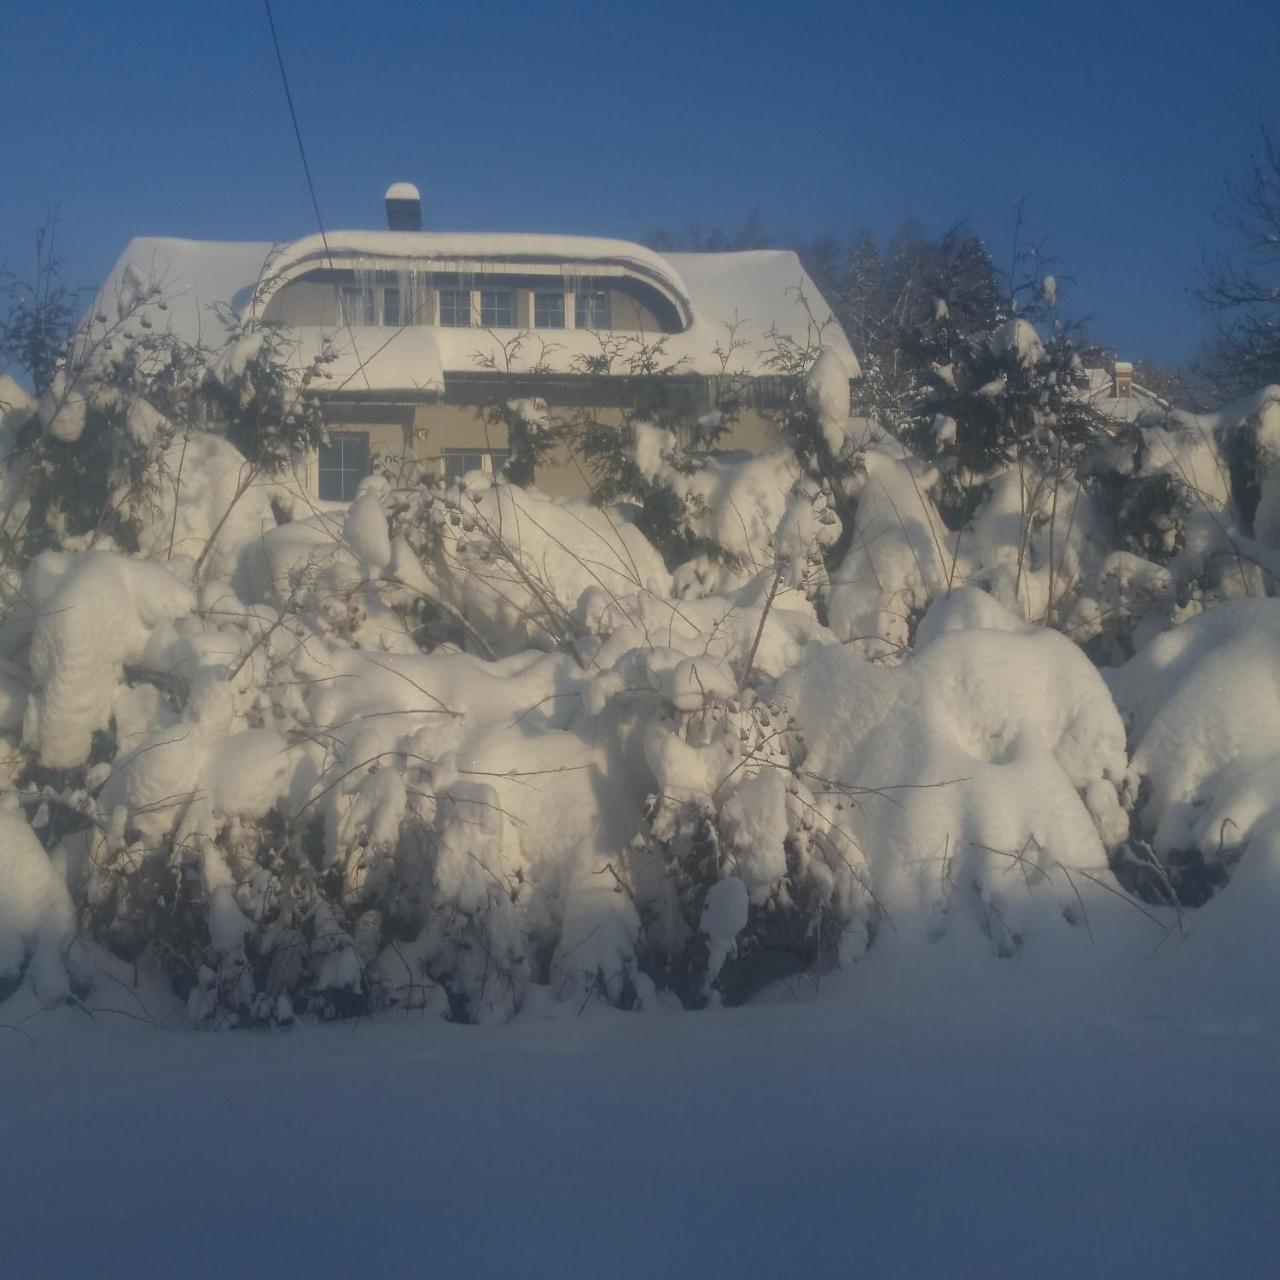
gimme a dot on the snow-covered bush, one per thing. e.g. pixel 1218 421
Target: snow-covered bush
pixel 36 918
pixel 731 722
pixel 1204 721
pixel 91 614
pixel 985 772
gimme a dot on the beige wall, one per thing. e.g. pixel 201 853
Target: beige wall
pixel 437 427
pixel 304 302
pixel 627 314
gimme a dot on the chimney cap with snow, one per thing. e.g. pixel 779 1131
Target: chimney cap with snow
pixel 404 207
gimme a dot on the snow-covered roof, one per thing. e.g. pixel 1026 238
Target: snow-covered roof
pixel 760 291
pixel 1102 395
pixel 193 276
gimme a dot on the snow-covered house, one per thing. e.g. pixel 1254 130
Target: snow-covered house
pixel 1114 392
pixel 427 328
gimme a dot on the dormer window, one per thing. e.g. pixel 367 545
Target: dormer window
pixel 357 305
pixel 392 312
pixel 455 308
pixel 591 310
pixel 497 308
pixel 504 296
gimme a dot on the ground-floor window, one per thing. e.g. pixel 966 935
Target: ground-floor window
pixel 343 463
pixel 457 462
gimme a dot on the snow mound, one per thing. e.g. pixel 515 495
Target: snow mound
pixel 94 612
pixel 900 555
pixel 523 561
pixel 983 772
pixel 1203 701
pixel 365 526
pixel 826 393
pixel 36 916
pixel 207 504
pixel 1018 338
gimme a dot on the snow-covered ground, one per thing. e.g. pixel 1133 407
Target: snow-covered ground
pixel 898 1120
pixel 789 885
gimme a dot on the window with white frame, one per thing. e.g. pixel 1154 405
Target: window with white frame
pixel 548 309
pixel 397 306
pixel 498 308
pixel 591 309
pixel 343 463
pixel 357 305
pixel 455 308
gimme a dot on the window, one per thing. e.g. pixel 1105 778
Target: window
pixel 548 310
pixel 455 308
pixel 357 305
pixel 497 308
pixel 592 309
pixel 391 314
pixel 344 462
pixel 457 462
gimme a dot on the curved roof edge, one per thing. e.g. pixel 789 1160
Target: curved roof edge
pixel 475 246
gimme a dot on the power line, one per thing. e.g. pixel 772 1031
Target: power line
pixel 311 186
pixel 297 131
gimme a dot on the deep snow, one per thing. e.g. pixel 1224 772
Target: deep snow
pixel 937 1121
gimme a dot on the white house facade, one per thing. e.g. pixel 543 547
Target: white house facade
pixel 424 329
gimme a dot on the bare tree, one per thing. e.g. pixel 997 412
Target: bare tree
pixel 1241 287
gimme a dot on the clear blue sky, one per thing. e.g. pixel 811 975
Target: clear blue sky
pixel 1119 120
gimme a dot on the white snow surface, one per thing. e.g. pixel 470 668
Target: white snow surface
pixel 905 1126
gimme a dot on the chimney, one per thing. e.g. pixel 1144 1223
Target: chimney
pixel 1123 387
pixel 404 207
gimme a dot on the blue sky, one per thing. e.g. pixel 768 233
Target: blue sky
pixel 1119 121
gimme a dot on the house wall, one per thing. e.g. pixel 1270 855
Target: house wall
pixel 426 431
pixel 437 427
